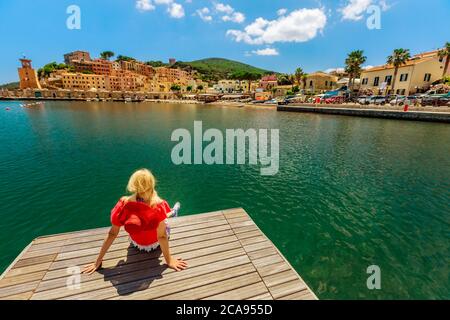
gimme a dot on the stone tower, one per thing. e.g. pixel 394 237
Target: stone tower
pixel 27 75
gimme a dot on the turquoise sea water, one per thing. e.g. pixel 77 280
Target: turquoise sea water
pixel 351 192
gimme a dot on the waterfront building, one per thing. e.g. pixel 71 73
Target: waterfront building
pixel 138 67
pixel 76 56
pixel 28 76
pixel 86 82
pixel 319 82
pixel 416 76
pixel 267 83
pixel 97 66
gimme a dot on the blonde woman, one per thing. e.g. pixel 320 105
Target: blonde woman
pixel 144 216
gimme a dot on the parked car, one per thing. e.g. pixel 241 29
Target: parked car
pixel 378 100
pixel 334 100
pixel 436 100
pixel 404 100
pixel 363 100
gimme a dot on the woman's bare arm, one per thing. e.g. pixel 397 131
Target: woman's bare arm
pixel 112 235
pixel 176 264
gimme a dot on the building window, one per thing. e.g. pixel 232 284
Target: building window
pixel 311 83
pixel 388 80
pixel 376 81
pixel 427 77
pixel 365 81
pixel 404 77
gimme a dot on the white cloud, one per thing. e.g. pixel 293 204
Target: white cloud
pixel 299 26
pixel 237 17
pixel 229 13
pixel 355 9
pixel 204 14
pixel 145 5
pixel 176 10
pixel 266 52
pixel 224 8
pixel 282 12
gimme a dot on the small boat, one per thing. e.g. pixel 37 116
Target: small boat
pixel 7 109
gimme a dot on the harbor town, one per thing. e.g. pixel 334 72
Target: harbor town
pixel 420 79
pixel 224 150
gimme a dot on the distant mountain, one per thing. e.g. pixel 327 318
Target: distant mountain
pixel 10 86
pixel 213 69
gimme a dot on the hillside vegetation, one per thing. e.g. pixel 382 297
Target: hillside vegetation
pixel 214 69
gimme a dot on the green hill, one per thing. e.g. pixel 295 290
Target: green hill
pixel 214 69
pixel 10 86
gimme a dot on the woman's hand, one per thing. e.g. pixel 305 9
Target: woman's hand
pixel 177 264
pixel 91 268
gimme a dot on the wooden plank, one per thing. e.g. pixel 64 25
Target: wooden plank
pixel 19 296
pixel 33 261
pixel 258 246
pixel 155 267
pixel 271 269
pixel 17 289
pixel 287 288
pixel 137 281
pixel 254 255
pixel 267 260
pixel 166 290
pixel 216 287
pixel 242 293
pixel 265 296
pixel 301 295
pixel 169 280
pixel 155 256
pixel 253 240
pixel 279 278
pixel 112 259
pixel 30 269
pixel 19 279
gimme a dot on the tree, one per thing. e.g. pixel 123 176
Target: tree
pixel 200 88
pixel 353 63
pixel 124 58
pixel 299 73
pixel 175 87
pixel 189 88
pixel 106 55
pixel 284 80
pixel 445 54
pixel 398 58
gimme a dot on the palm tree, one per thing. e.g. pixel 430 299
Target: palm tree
pixel 398 58
pixel 445 54
pixel 299 73
pixel 353 63
pixel 106 55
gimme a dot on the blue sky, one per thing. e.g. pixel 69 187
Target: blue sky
pixel 276 35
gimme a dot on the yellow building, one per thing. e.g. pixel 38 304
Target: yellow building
pixel 27 75
pixel 319 82
pixel 80 81
pixel 415 76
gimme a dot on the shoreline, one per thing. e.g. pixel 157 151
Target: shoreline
pixel 429 114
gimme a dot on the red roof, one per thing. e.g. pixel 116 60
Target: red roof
pixel 269 78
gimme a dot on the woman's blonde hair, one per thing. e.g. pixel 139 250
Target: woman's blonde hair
pixel 142 183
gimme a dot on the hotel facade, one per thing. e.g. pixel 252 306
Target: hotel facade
pixel 416 76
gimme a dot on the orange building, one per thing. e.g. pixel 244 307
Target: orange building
pixel 77 56
pixel 28 76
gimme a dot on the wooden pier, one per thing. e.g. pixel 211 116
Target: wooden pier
pixel 229 259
